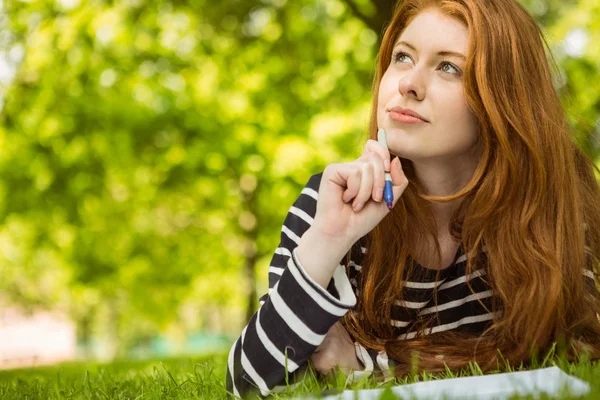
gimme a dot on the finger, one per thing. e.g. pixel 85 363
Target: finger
pixel 373 146
pixel 322 346
pixel 322 362
pixel 347 176
pixel 316 361
pixel 399 180
pixel 352 184
pixel 366 186
pixel 378 175
pixel 342 333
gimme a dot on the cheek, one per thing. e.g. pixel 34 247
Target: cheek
pixel 386 93
pixel 458 113
pixel 467 121
pixel 456 125
pixel 386 87
pixel 466 129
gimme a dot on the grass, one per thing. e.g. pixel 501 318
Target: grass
pixel 200 378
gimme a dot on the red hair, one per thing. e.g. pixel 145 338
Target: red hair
pixel 528 201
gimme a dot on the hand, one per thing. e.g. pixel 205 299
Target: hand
pixel 336 349
pixel 350 195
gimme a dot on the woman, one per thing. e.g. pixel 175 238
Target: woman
pixel 488 253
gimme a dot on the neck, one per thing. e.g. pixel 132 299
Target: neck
pixel 444 178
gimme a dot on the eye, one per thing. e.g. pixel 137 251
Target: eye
pixel 445 64
pixel 397 56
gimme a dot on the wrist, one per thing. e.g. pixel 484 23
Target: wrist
pixel 321 254
pixel 320 232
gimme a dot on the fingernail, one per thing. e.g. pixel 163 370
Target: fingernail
pixel 386 164
pixel 357 207
pixel 378 194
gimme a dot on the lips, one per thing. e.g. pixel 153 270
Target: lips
pixel 408 111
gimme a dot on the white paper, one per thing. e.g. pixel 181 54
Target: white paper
pixel 552 381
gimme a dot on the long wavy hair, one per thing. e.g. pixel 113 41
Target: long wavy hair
pixel 533 202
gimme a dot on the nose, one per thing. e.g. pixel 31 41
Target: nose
pixel 412 84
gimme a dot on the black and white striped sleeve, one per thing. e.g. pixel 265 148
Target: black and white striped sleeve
pixel 375 363
pixel 294 315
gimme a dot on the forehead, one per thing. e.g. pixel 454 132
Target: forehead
pixel 434 30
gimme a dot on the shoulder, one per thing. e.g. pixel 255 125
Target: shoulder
pixel 301 214
pixel 307 199
pixel 314 182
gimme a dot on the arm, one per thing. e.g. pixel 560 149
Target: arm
pixel 340 349
pixel 353 359
pixel 296 313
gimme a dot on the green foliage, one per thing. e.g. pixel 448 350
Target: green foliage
pixel 204 379
pixel 150 150
pixel 174 379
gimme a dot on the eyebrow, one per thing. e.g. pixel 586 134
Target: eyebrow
pixel 443 53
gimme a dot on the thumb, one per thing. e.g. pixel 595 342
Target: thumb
pixel 399 180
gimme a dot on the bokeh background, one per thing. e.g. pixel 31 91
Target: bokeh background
pixel 149 151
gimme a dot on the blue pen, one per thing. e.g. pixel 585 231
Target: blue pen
pixel 388 194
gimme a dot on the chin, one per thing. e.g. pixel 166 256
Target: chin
pixel 408 155
pixel 407 150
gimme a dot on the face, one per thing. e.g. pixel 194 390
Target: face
pixel 421 79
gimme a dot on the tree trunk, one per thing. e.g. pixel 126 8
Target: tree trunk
pixel 250 271
pixel 250 251
pixel 378 21
pixel 84 332
pixel 112 334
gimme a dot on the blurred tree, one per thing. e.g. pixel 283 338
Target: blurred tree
pixel 148 145
pixel 150 150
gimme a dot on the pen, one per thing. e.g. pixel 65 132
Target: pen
pixel 388 194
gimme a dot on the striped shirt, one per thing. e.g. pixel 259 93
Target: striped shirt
pixel 296 313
